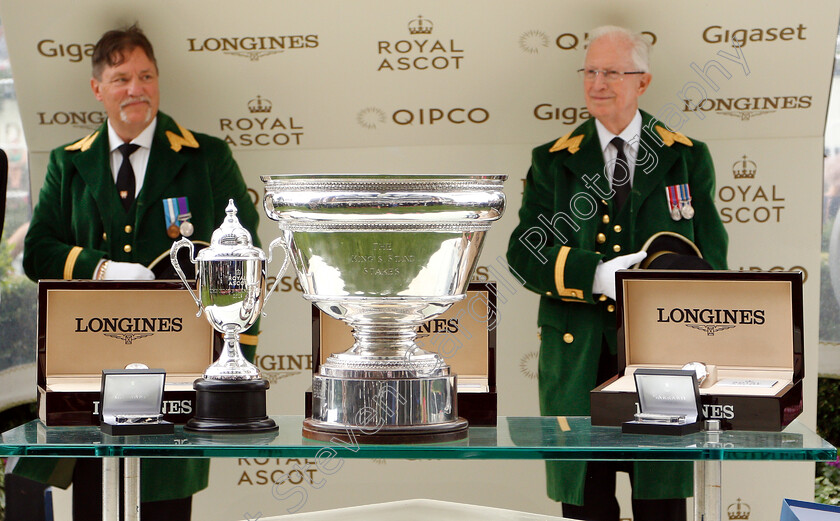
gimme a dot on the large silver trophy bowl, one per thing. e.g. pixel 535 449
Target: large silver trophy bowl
pixel 384 253
pixel 231 275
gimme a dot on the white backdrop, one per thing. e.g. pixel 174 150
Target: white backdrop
pixel 333 86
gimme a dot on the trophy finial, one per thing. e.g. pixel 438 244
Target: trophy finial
pixel 231 233
pixel 231 209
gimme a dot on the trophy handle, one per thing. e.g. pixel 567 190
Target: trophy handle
pixel 173 257
pixel 278 241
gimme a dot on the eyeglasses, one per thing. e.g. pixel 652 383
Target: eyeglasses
pixel 609 76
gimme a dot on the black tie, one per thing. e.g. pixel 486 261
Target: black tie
pixel 621 174
pixel 125 177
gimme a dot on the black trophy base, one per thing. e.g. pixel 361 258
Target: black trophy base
pixel 230 406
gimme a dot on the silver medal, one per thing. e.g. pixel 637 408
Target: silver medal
pixel 187 229
pixel 687 211
pixel 675 213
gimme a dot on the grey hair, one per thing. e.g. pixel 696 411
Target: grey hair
pixel 639 46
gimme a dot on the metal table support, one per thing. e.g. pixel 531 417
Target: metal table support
pixel 111 489
pixel 707 491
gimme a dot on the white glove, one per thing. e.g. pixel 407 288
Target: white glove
pixel 604 282
pixel 127 271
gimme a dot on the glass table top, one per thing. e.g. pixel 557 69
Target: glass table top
pixel 535 438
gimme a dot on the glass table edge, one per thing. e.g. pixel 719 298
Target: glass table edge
pixel 188 445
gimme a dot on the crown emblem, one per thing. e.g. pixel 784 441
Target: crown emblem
pixel 738 510
pixel 259 105
pixel 744 169
pixel 420 26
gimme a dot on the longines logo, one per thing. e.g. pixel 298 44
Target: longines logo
pixel 261 129
pixel 276 367
pixel 73 52
pixel 718 412
pixel 374 117
pixel 79 119
pixel 534 41
pixel 438 325
pixel 749 203
pixel 128 329
pixel 167 407
pixel 738 510
pixel 253 47
pixel 528 365
pixel 711 321
pixel 746 108
pixel 419 52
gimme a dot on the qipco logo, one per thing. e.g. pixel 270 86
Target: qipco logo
pixel 571 41
pixel 432 116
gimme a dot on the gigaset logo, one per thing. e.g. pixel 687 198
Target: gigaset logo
pixel 73 52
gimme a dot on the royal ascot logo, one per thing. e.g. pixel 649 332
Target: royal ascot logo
pixel 710 321
pixel 373 117
pixel 747 108
pixel 420 26
pixel 128 329
pixel 738 510
pixel 259 128
pixel 72 52
pixel 276 367
pixel 419 52
pixel 746 202
pixel 744 168
pixel 717 34
pixel 528 365
pixel 259 106
pixel 274 471
pixel 253 47
pixel 535 41
pixel 86 120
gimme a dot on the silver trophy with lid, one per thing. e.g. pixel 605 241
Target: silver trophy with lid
pixel 231 275
pixel 384 253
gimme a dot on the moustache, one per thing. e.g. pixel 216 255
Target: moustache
pixel 138 99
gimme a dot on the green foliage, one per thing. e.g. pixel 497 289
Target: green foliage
pixel 827 481
pixel 18 320
pixel 828 410
pixel 826 489
pixel 9 419
pixel 829 309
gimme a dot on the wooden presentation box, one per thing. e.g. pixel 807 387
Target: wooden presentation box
pixel 86 326
pixel 464 335
pixel 745 326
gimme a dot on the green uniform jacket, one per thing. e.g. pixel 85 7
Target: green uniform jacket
pixel 568 223
pixel 79 220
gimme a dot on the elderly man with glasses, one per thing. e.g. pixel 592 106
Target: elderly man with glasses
pixel 592 198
